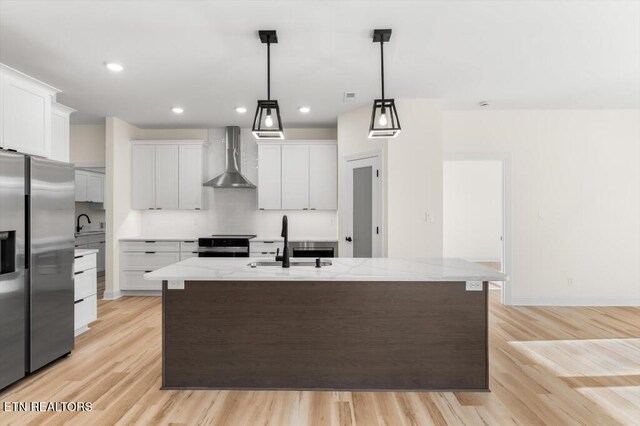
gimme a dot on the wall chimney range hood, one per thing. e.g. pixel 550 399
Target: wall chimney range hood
pixel 232 178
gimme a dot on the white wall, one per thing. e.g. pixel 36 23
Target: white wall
pixel 121 220
pixel 472 210
pixel 236 210
pixel 412 176
pixel 87 144
pixel 575 200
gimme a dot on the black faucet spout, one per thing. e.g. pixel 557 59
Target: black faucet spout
pixel 285 250
pixel 78 226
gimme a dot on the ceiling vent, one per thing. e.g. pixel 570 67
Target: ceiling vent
pixel 349 96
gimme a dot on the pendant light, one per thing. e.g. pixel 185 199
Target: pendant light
pixel 384 117
pixel 267 123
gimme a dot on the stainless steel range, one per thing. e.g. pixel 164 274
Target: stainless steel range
pixel 224 246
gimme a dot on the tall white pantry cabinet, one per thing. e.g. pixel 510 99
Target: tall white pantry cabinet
pixel 297 175
pixel 31 121
pixel 167 175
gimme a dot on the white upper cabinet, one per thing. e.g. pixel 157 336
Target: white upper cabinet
pixel 167 175
pixel 60 132
pixel 295 177
pixel 25 113
pixel 89 186
pixel 323 177
pixel 95 188
pixel 269 177
pixel 166 183
pixel 143 167
pixel 298 175
pixel 190 178
pixel 81 186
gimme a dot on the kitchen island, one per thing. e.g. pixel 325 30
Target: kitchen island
pixel 358 324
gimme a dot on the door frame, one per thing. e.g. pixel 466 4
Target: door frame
pixel 507 219
pixel 378 195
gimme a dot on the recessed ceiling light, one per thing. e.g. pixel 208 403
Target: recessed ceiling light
pixel 304 109
pixel 241 110
pixel 114 66
pixel 177 110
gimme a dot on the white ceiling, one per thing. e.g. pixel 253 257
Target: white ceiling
pixel 205 55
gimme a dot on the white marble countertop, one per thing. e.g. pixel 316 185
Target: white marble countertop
pixel 84 252
pixel 253 240
pixel 342 269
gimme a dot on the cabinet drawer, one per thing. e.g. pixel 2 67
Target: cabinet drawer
pixel 148 261
pixel 150 245
pixel 188 246
pixel 266 246
pixel 85 311
pixel 188 254
pixel 270 255
pixel 85 283
pixel 133 280
pixel 85 262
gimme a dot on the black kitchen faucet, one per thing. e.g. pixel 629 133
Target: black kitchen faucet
pixel 78 227
pixel 285 250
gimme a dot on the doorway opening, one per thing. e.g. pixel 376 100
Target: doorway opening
pixel 476 197
pixel 363 205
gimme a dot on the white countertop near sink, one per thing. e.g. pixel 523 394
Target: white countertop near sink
pixel 256 240
pixel 342 269
pixel 84 252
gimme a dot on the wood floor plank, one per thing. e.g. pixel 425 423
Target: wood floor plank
pixel 548 366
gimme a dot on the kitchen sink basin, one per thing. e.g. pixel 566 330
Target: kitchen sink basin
pixel 292 263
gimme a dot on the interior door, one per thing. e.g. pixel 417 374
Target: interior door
pixel 363 227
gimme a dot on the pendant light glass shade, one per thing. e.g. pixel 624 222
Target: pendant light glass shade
pixel 267 123
pixel 384 116
pixel 384 119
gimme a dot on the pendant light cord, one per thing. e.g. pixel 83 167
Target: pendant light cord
pixel 268 71
pixel 382 66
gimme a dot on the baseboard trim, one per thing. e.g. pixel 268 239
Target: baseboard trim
pixel 111 295
pixel 534 301
pixel 141 293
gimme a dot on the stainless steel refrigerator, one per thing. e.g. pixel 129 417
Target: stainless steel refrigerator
pixel 37 202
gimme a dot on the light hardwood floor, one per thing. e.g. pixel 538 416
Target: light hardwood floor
pixel 550 366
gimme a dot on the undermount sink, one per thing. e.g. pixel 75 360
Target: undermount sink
pixel 292 263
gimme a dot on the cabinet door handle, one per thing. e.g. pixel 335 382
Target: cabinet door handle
pixel 149 252
pixel 78 273
pixel 149 241
pixel 146 272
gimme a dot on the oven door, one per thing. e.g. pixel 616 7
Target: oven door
pixel 312 252
pixel 223 251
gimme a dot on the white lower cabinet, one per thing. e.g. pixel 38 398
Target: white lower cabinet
pixel 137 257
pixel 85 294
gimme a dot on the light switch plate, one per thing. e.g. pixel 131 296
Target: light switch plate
pixel 473 286
pixel 175 285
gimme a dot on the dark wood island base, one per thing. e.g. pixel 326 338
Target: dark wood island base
pixel 325 335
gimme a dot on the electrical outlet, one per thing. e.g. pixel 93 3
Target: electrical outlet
pixel 428 217
pixel 570 282
pixel 175 285
pixel 473 286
